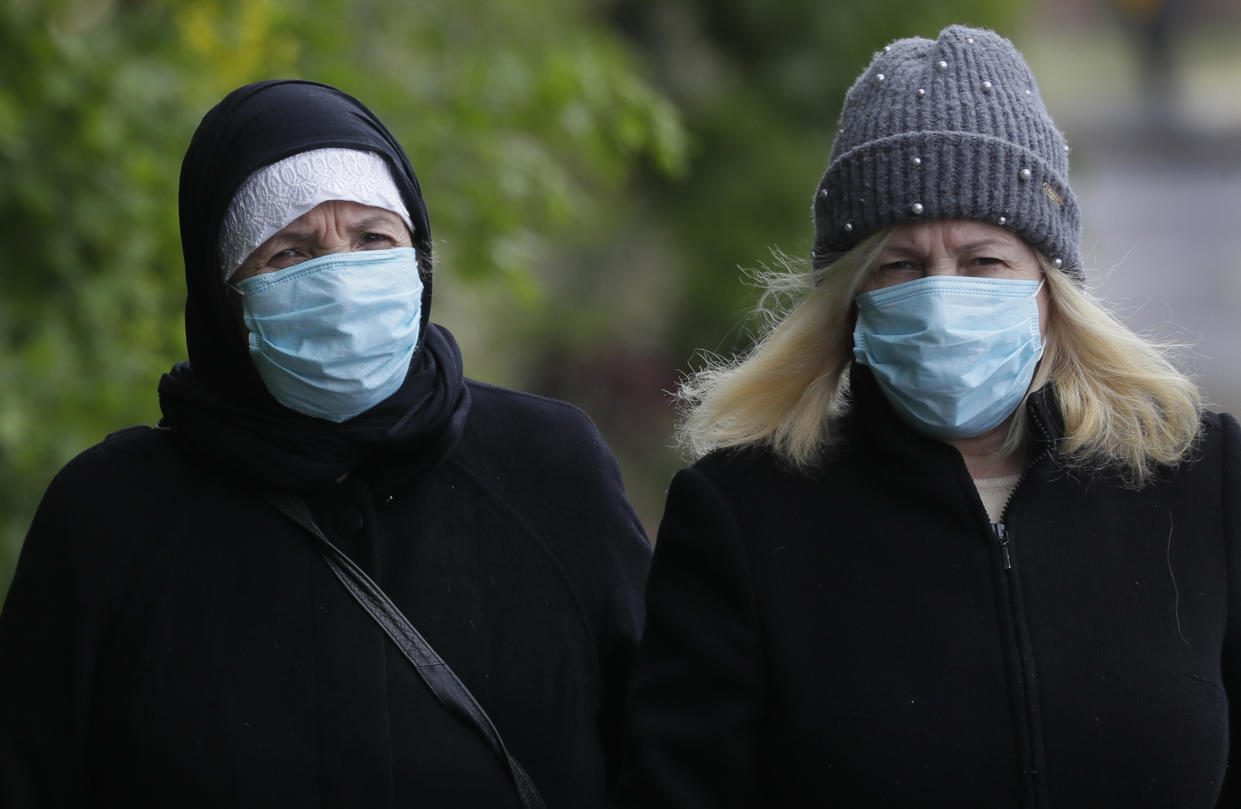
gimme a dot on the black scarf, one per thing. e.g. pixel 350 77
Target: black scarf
pixel 216 404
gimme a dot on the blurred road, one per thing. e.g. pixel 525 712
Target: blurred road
pixel 1161 205
pixel 1163 238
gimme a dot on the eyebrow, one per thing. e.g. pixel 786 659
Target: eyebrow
pixel 984 243
pixel 979 244
pixel 368 223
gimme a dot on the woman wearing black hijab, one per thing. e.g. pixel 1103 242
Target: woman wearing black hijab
pixel 173 639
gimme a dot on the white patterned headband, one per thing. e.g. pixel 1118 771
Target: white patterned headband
pixel 277 194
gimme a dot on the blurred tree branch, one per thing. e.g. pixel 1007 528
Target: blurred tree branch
pixel 521 118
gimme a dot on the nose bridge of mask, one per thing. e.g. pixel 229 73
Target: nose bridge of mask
pixel 958 287
pixel 939 307
pixel 323 265
pixel 326 286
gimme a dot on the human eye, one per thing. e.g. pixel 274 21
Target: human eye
pixel 896 271
pixel 990 267
pixel 284 258
pixel 375 240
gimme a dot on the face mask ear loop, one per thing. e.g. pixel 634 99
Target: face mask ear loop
pixel 1038 320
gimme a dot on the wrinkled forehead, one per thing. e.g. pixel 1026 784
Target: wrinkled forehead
pixel 955 234
pixel 278 194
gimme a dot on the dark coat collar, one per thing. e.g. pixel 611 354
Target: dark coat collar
pixel 872 421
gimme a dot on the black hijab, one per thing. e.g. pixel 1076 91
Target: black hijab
pixel 216 404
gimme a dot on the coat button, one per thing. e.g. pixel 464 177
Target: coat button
pixel 349 521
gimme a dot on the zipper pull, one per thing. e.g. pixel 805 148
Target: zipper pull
pixel 1001 536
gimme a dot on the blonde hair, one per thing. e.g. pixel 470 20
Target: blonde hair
pixel 1124 405
pixel 789 389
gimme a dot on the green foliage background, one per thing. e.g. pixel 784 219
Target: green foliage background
pixel 596 172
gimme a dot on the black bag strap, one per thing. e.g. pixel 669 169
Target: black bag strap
pixel 441 679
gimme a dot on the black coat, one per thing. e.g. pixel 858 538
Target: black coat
pixel 859 637
pixel 170 639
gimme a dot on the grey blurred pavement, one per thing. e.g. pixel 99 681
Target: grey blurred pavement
pixel 1163 238
pixel 1161 201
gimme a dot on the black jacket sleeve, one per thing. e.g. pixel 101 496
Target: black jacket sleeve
pixel 61 596
pixel 1231 500
pixel 696 698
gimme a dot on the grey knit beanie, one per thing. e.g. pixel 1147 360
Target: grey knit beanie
pixel 948 129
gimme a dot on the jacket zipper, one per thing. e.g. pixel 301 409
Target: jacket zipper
pixel 1000 529
pixel 1032 755
pixel 1001 536
pixel 1026 730
pixel 1025 473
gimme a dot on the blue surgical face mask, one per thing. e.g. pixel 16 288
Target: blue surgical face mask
pixel 333 337
pixel 953 355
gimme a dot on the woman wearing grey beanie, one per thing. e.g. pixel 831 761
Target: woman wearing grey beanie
pixel 955 536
